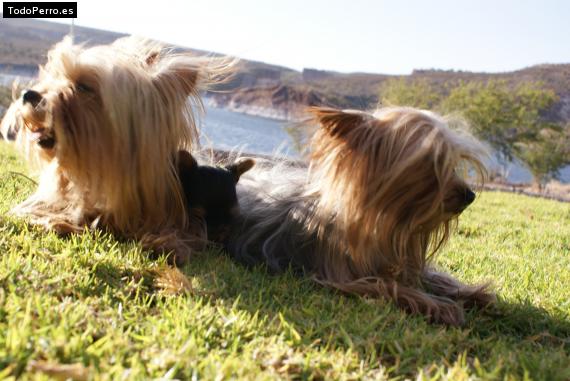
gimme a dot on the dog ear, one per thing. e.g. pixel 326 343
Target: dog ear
pixel 186 161
pixel 240 167
pixel 337 123
pixel 144 49
pixel 176 73
pixel 151 58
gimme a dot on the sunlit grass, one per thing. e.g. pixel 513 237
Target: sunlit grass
pixel 91 302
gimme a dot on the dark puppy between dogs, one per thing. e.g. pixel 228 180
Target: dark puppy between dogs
pixel 210 192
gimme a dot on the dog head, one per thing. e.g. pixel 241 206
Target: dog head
pixel 400 176
pixel 211 191
pixel 111 119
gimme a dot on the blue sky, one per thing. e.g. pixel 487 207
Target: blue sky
pixel 379 36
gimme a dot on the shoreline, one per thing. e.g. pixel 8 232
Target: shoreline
pixel 560 195
pixel 253 110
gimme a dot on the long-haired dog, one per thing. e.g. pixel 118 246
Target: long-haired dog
pixel 378 201
pixel 105 125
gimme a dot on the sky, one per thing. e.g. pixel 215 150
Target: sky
pixel 376 36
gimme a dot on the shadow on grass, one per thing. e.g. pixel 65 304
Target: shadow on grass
pixel 303 301
pixel 381 333
pixel 514 335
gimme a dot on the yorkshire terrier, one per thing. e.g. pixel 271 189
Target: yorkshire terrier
pixel 105 124
pixel 210 192
pixel 378 201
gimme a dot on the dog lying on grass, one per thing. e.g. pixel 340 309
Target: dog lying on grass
pixel 104 125
pixel 378 201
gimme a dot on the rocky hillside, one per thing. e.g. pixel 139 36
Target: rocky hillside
pixel 270 90
pixel 24 42
pixel 286 96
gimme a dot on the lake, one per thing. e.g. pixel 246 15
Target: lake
pixel 229 130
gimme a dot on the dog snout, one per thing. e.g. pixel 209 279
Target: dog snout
pixel 31 97
pixel 469 196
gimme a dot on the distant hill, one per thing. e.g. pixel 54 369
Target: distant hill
pixel 24 42
pixel 270 90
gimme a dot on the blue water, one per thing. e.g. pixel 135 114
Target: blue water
pixel 234 131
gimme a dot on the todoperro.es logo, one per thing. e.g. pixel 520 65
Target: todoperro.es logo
pixel 39 10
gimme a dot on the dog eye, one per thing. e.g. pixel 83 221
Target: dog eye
pixel 83 88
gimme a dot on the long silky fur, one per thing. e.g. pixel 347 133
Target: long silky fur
pixel 379 198
pixel 119 114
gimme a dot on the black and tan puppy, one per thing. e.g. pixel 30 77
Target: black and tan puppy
pixel 210 192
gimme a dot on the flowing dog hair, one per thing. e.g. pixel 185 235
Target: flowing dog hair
pixel 379 199
pixel 104 125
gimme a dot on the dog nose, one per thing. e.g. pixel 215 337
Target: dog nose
pixel 32 97
pixel 469 196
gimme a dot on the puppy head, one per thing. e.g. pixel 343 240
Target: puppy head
pixel 397 172
pixel 113 117
pixel 211 187
pixel 211 192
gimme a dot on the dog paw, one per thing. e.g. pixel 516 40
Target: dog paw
pixel 447 313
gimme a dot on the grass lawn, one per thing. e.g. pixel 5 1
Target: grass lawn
pixel 91 307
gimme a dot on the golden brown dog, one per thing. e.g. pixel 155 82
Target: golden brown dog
pixel 378 201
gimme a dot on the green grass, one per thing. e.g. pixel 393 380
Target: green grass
pixel 92 302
